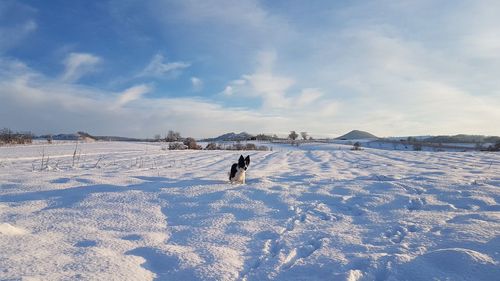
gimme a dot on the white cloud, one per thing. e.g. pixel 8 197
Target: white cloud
pixel 228 91
pixel 34 102
pixel 398 86
pixel 160 69
pixel 132 93
pixel 79 64
pixel 197 84
pixel 230 88
pixel 273 89
pixel 308 96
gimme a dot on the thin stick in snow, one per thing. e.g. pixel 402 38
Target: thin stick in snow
pixel 98 160
pixel 74 155
pixel 43 156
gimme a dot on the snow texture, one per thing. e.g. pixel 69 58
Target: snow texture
pixel 133 211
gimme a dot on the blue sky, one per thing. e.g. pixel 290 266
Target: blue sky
pixel 139 68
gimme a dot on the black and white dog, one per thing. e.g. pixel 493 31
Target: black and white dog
pixel 237 173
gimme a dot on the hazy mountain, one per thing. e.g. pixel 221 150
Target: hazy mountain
pixel 462 138
pixel 232 137
pixel 357 135
pixel 84 135
pixel 60 137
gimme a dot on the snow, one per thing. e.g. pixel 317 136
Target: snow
pixel 7 229
pixel 132 211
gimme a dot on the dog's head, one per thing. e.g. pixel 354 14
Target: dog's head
pixel 244 162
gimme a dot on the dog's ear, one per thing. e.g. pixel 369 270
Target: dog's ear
pixel 247 160
pixel 241 161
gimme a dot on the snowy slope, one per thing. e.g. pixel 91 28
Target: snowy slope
pixel 132 211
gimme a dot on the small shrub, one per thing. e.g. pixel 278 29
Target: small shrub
pixel 191 143
pixel 495 147
pixel 417 147
pixel 250 146
pixel 238 146
pixel 212 146
pixel 356 146
pixel 176 146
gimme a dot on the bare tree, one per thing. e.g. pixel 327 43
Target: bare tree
pixel 7 136
pixel 293 135
pixel 303 135
pixel 157 137
pixel 173 136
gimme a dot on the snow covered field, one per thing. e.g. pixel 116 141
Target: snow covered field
pixel 132 211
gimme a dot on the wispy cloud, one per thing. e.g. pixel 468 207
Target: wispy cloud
pixel 245 12
pixel 11 36
pixel 18 22
pixel 33 101
pixel 197 84
pixel 159 68
pixel 131 94
pixel 308 96
pixel 78 65
pixel 273 89
pixel 228 91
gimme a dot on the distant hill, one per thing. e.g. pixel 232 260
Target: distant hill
pixel 463 139
pixel 115 138
pixel 60 137
pixel 87 137
pixel 357 135
pixel 243 136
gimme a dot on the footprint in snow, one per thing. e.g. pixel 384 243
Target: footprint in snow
pixel 301 252
pixel 416 204
pixel 86 243
pixel 132 237
pixel 322 215
pixel 396 234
